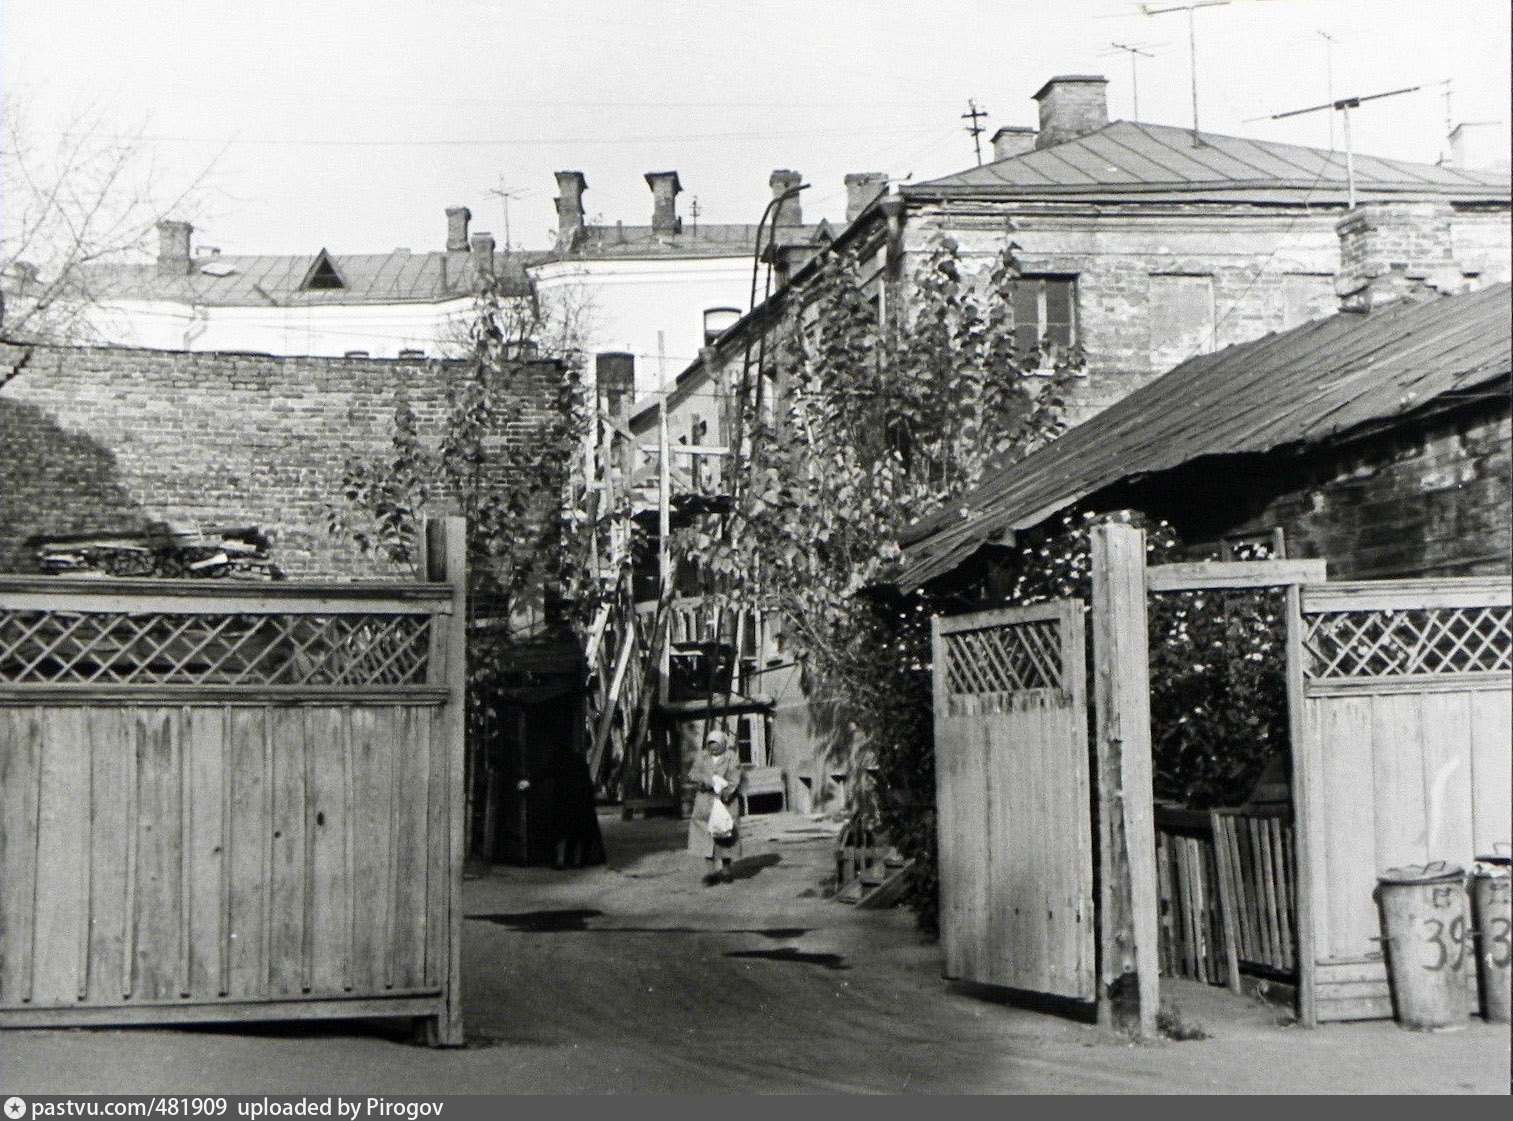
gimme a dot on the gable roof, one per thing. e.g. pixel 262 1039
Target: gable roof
pixel 1130 161
pixel 1291 389
pixel 277 280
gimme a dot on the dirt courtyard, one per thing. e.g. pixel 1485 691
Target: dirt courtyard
pixel 636 978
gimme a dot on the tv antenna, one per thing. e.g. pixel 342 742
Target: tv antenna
pixel 1192 47
pixel 974 114
pixel 1344 105
pixel 505 194
pixel 1135 53
pixel 1329 42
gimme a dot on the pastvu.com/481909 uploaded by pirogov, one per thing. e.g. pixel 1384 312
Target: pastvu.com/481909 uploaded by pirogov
pixel 355 1108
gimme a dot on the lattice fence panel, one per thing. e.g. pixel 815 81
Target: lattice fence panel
pixel 163 648
pixel 1387 643
pixel 1004 659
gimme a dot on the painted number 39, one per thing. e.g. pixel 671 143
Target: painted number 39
pixel 1457 936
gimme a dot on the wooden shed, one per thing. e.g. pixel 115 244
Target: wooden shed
pixel 1379 444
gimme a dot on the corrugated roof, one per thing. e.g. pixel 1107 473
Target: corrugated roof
pixel 274 280
pixel 1294 388
pixel 1130 160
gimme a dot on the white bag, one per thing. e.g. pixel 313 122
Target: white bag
pixel 721 824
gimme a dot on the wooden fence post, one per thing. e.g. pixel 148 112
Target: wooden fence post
pixel 446 561
pixel 1128 982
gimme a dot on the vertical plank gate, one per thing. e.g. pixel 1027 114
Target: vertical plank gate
pixel 1015 841
pixel 1402 740
pixel 231 802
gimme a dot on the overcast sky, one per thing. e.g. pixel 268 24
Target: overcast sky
pixel 353 125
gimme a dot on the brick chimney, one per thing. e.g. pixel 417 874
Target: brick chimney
pixel 173 247
pixel 482 246
pixel 1071 105
pixel 570 188
pixel 789 212
pixel 1013 140
pixel 665 189
pixel 458 218
pixel 862 189
pixel 1389 250
pixel 615 373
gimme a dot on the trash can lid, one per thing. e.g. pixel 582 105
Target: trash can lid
pixel 1431 873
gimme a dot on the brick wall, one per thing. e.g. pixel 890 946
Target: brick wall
pixel 1427 502
pixel 123 439
pixel 1429 498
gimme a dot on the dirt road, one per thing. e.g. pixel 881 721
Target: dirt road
pixel 638 979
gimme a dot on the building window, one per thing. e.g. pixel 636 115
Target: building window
pixel 1181 319
pixel 322 274
pixel 1045 316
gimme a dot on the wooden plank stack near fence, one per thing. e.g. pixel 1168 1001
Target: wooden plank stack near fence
pixel 232 802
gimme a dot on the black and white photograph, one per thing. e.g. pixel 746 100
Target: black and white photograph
pixel 710 548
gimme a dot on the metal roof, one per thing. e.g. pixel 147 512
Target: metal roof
pixel 277 280
pixel 1134 161
pixel 1294 388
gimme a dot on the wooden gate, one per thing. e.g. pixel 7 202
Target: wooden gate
pixel 232 802
pixel 1401 730
pixel 1011 759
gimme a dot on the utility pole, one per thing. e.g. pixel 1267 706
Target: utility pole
pixel 974 114
pixel 1344 105
pixel 1135 54
pixel 1192 47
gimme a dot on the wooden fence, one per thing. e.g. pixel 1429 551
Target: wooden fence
pixel 232 802
pixel 1401 734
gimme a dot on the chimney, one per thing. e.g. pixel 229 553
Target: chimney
pixel 790 212
pixel 570 188
pixel 615 373
pixel 1389 250
pixel 1013 140
pixel 862 189
pixel 664 201
pixel 458 218
pixel 482 245
pixel 1479 146
pixel 1071 105
pixel 173 247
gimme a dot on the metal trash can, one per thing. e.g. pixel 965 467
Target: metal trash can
pixel 1490 882
pixel 1428 943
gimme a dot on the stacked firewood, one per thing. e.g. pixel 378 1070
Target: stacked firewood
pixel 237 552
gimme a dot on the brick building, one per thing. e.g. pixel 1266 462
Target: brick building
pixel 1143 245
pixel 102 439
pixel 1378 440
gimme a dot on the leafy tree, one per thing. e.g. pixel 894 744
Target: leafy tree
pixel 854 428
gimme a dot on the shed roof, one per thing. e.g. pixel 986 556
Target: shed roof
pixel 1128 160
pixel 1293 388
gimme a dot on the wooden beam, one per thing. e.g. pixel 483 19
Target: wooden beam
pixel 1395 595
pixel 447 561
pixel 1128 984
pixel 1304 768
pixel 1202 575
pixel 690 449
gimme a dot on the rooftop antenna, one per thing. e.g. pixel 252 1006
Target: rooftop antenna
pixel 1449 118
pixel 504 194
pixel 1135 54
pixel 974 114
pixel 1192 47
pixel 1329 42
pixel 1344 105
